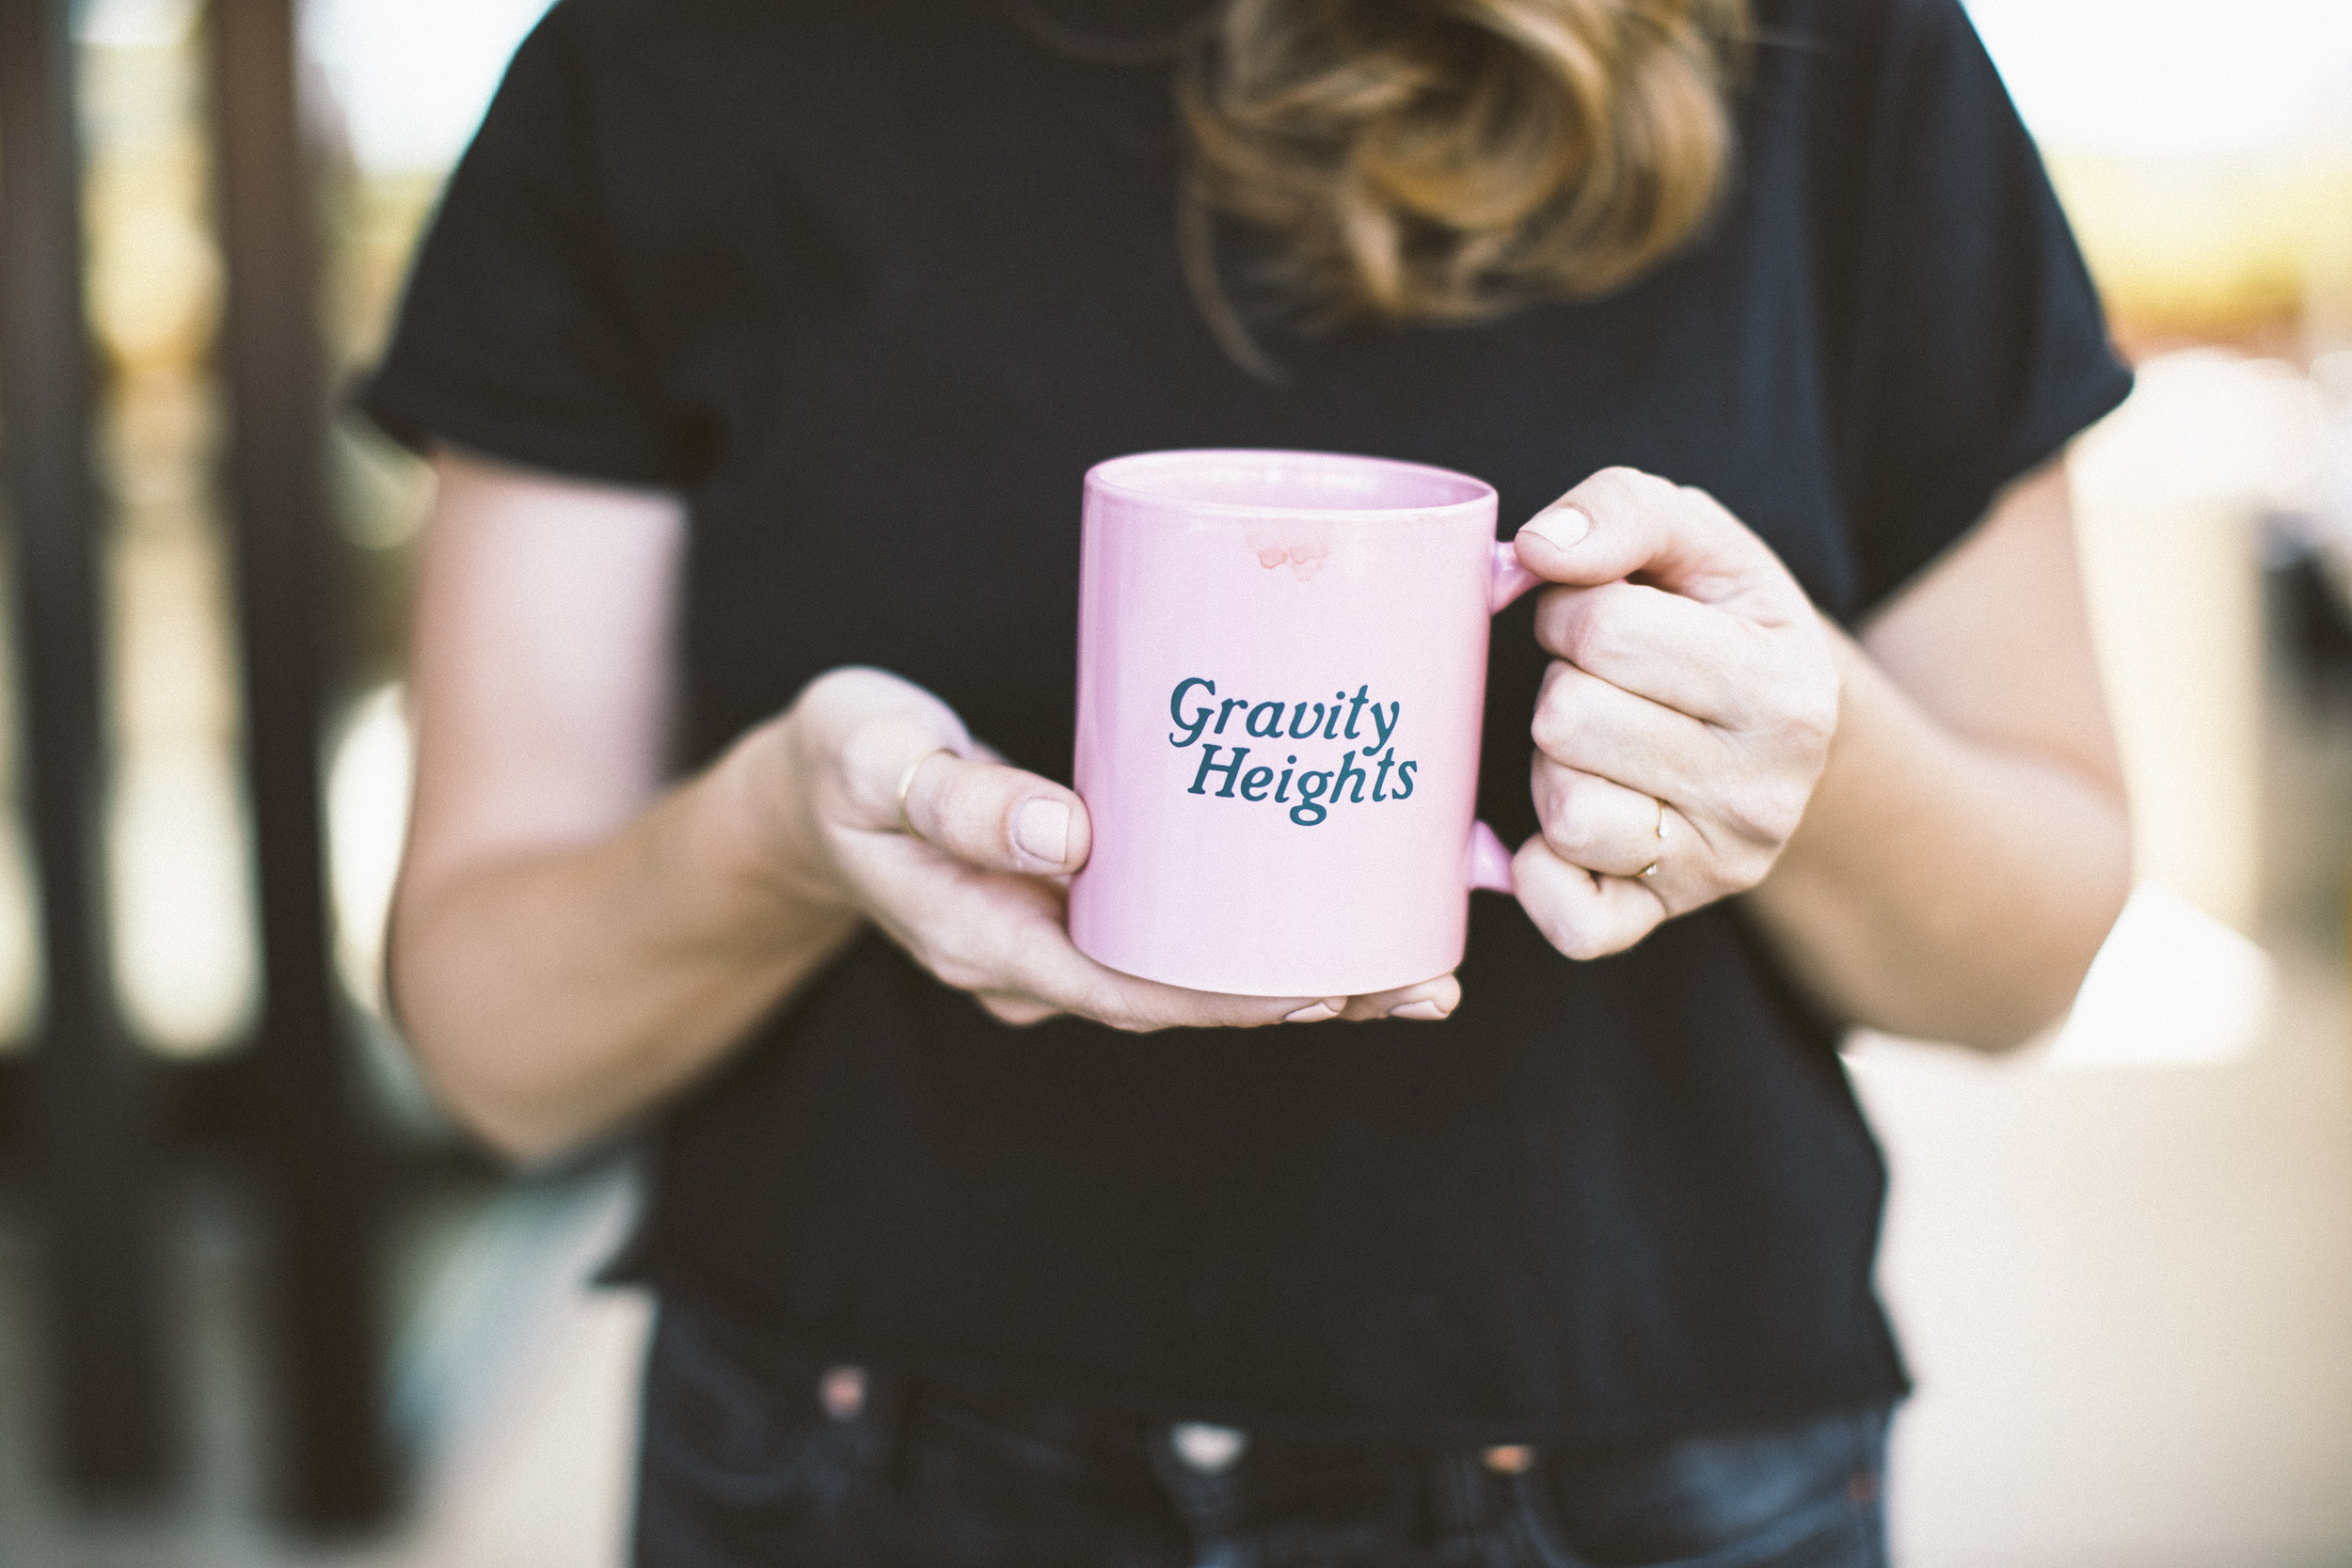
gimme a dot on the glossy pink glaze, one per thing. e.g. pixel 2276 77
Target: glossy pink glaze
pixel 1290 578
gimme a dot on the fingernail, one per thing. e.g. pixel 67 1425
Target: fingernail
pixel 1425 1010
pixel 1560 527
pixel 1042 828
pixel 1315 1014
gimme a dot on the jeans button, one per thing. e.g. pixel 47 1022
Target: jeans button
pixel 1210 1450
pixel 1509 1459
pixel 842 1392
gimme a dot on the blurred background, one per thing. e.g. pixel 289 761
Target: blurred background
pixel 2122 1264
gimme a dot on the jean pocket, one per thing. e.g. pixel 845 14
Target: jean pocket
pixel 1804 1497
pixel 726 1437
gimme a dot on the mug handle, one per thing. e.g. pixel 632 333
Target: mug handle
pixel 1508 580
pixel 1488 865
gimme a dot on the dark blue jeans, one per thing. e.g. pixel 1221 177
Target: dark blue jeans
pixel 751 1459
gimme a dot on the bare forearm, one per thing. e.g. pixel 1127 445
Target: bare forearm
pixel 1940 888
pixel 553 994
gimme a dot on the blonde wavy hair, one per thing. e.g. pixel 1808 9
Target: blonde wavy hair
pixel 1449 160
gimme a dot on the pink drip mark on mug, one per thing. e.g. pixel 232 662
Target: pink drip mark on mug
pixel 1305 544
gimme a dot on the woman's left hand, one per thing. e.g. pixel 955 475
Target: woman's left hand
pixel 1686 716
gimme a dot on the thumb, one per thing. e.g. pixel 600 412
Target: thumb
pixel 997 817
pixel 1622 522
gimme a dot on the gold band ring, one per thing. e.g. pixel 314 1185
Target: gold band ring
pixel 906 781
pixel 1651 869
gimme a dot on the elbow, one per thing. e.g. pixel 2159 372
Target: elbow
pixel 2043 987
pixel 474 1057
pixel 520 1143
pixel 2031 1014
pixel 509 1112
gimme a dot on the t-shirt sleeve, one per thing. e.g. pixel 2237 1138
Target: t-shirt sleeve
pixel 515 339
pixel 1981 348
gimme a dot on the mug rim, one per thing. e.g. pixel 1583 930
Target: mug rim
pixel 1105 476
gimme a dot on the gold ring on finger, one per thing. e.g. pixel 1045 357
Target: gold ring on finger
pixel 1651 869
pixel 906 781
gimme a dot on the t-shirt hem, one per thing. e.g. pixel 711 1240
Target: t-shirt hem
pixel 420 419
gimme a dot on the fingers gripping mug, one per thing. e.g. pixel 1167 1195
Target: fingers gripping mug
pixel 1281 673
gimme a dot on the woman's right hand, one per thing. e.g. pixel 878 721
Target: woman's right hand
pixel 869 794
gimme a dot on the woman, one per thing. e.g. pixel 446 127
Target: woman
pixel 760 349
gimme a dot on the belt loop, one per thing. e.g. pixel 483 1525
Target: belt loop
pixel 882 1420
pixel 899 1393
pixel 1461 1497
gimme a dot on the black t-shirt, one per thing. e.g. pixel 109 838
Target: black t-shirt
pixel 871 286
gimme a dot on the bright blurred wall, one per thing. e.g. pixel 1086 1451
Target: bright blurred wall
pixel 2205 149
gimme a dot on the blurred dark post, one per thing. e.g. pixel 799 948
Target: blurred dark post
pixel 318 1167
pixel 102 1303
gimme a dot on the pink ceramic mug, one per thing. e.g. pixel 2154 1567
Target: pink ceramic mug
pixel 1282 673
